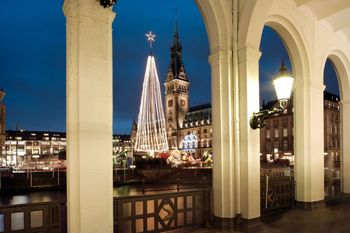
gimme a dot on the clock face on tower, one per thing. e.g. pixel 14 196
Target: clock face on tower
pixel 183 103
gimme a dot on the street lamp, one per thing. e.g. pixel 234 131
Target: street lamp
pixel 283 86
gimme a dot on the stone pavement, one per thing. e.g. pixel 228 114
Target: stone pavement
pixel 331 218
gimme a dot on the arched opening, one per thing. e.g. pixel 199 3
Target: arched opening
pixel 196 132
pixel 332 135
pixel 185 81
pixel 335 80
pixel 303 114
pixel 277 137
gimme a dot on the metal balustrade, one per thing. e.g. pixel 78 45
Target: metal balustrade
pixel 162 212
pixel 34 217
pixel 276 192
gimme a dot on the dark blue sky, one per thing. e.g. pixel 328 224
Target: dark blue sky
pixel 32 58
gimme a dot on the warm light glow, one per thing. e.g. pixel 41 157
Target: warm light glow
pixel 283 86
pixel 151 134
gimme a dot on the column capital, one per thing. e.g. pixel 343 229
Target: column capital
pixel 309 84
pixel 88 8
pixel 345 103
pixel 219 56
pixel 248 53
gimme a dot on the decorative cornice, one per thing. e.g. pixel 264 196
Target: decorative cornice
pixel 248 53
pixel 319 86
pixel 89 9
pixel 345 103
pixel 220 56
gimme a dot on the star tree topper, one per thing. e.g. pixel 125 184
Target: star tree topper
pixel 150 38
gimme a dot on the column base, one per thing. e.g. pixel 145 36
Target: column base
pixel 224 223
pixel 239 224
pixel 346 196
pixel 249 225
pixel 310 205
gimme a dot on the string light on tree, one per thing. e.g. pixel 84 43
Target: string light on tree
pixel 151 134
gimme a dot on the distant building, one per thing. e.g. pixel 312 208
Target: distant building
pixel 23 145
pixel 195 135
pixel 2 125
pixel 188 129
pixel 277 137
pixel 121 143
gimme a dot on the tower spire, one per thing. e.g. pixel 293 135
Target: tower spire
pixel 283 68
pixel 176 39
pixel 176 21
pixel 176 66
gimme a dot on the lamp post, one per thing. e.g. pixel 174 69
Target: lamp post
pixel 283 84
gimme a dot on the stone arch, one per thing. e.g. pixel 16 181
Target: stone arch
pixel 342 67
pixel 295 46
pixel 255 16
pixel 251 23
pixel 308 91
pixel 217 27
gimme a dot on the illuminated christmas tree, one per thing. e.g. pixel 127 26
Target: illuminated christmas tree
pixel 151 134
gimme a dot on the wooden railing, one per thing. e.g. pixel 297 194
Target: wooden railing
pixel 162 212
pixel 276 192
pixel 34 217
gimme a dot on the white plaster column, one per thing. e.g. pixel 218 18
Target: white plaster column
pixel 250 139
pixel 223 154
pixel 89 116
pixel 309 142
pixel 345 145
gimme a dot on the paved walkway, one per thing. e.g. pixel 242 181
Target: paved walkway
pixel 333 218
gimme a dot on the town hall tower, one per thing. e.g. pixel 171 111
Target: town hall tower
pixel 176 92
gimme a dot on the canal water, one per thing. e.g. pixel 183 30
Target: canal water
pixel 8 199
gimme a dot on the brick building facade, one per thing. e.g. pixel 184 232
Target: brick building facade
pixel 277 137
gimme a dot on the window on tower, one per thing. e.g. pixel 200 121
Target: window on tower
pixel 170 103
pixel 183 103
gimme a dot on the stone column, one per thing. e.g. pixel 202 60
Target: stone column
pixel 223 154
pixel 250 139
pixel 345 129
pixel 89 116
pixel 309 143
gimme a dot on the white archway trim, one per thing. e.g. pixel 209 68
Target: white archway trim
pixel 295 46
pixel 342 68
pixel 217 18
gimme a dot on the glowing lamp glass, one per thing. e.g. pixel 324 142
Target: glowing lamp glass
pixel 283 86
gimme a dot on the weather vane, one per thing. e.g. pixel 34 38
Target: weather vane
pixel 150 38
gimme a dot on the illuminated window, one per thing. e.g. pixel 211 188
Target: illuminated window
pixel 268 133
pixel 276 133
pixel 285 132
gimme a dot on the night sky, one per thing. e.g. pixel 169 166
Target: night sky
pixel 32 58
